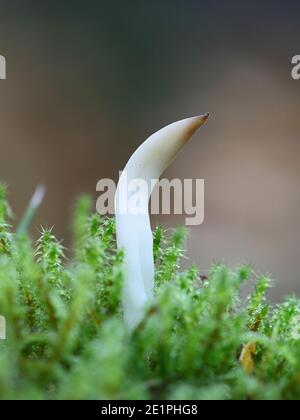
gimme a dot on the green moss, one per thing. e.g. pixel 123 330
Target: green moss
pixel 200 340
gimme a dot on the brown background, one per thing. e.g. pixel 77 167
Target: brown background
pixel 89 80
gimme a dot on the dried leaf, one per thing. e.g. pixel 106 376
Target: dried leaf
pixel 247 357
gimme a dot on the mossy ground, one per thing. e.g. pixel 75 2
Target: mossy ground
pixel 200 340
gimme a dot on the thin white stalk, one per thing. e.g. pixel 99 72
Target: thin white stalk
pixel 31 210
pixel 134 233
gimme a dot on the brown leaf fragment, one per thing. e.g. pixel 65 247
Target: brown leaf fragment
pixel 247 358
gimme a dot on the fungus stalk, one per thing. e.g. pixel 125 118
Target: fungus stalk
pixel 134 234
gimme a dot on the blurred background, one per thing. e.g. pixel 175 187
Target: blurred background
pixel 88 81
